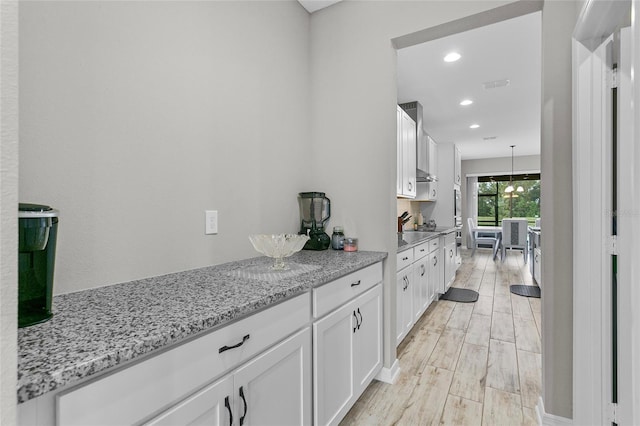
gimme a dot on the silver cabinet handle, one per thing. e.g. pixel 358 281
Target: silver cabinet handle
pixel 410 185
pixel 355 283
pixel 435 260
pixel 423 270
pixel 405 258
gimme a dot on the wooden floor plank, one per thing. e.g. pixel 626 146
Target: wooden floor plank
pixel 527 338
pixel 502 371
pixel 438 317
pixel 461 412
pixel 427 401
pixel 479 331
pixel 502 303
pixel 471 373
pixel 521 308
pixel 484 305
pixel 445 354
pixel 529 367
pixel 460 316
pixel 529 417
pixel 502 327
pixel 501 408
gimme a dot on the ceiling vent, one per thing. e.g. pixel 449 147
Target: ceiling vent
pixel 489 138
pixel 496 83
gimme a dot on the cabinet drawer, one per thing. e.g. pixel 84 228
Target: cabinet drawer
pixel 434 244
pixel 134 393
pixel 404 259
pixel 420 251
pixel 329 296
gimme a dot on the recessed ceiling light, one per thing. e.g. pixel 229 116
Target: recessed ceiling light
pixel 466 102
pixel 474 126
pixel 452 57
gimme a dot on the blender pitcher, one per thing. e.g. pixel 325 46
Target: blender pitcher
pixel 315 211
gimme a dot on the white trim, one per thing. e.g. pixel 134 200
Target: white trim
pixel 389 375
pixel 547 419
pixel 503 173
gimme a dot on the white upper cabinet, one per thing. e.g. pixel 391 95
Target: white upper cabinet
pixel 457 166
pixel 406 155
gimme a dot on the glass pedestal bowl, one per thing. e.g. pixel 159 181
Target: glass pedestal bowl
pixel 278 246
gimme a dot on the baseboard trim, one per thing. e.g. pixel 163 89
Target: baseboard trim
pixel 389 375
pixel 546 419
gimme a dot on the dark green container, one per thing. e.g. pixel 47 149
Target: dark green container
pixel 38 229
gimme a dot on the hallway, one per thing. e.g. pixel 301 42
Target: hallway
pixel 466 363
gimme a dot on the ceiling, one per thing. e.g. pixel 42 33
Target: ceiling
pixel 313 5
pixel 510 115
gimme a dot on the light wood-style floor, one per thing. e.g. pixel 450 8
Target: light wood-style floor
pixel 466 363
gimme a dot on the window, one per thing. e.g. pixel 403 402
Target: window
pixel 494 204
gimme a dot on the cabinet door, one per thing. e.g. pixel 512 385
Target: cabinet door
pixel 449 265
pixel 211 406
pixel 409 156
pixel 434 274
pixel 367 347
pixel 537 266
pixel 399 146
pixel 433 157
pixel 275 387
pixel 457 166
pixel 420 287
pixel 404 298
pixel 333 365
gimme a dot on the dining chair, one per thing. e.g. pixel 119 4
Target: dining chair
pixel 476 240
pixel 514 236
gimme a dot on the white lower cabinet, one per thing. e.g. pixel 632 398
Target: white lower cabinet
pixel 347 355
pixel 449 265
pixel 212 405
pixel 416 285
pixel 255 371
pixel 537 266
pixel 272 389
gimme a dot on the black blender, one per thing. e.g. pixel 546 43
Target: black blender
pixel 315 211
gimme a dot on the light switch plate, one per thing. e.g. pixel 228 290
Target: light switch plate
pixel 211 222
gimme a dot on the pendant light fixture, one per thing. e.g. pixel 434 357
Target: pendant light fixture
pixel 510 188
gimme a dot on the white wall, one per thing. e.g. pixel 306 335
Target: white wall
pixel 136 117
pixel 558 21
pixel 353 104
pixel 8 210
pixel 501 165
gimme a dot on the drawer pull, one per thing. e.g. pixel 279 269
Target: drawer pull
pixel 355 284
pixel 405 258
pixel 244 401
pixel 237 345
pixel 421 250
pixel 228 405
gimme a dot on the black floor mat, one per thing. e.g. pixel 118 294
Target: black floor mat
pixel 526 290
pixel 463 295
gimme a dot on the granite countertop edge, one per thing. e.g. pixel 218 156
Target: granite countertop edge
pixel 433 234
pixel 96 330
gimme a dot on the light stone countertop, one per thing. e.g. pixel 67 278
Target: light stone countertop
pixel 410 239
pixel 97 329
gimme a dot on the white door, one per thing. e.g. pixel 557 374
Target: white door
pixel 212 406
pixel 333 364
pixel 275 388
pixel 606 201
pixel 367 347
